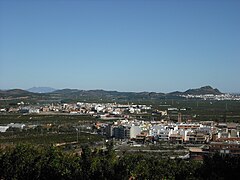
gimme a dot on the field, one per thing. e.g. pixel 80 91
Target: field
pixel 48 129
pixel 201 110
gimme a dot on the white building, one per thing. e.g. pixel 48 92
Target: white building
pixel 16 125
pixel 134 131
pixel 32 110
pixel 162 132
pixel 3 128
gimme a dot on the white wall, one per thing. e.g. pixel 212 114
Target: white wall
pixel 134 131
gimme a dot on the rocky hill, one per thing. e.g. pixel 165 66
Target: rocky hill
pixel 203 90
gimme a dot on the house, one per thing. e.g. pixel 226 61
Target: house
pixel 197 138
pixel 226 146
pixel 45 109
pixel 134 131
pixel 141 138
pixel 3 128
pixel 196 153
pixel 188 126
pixel 160 132
pixel 34 111
pixel 121 132
pixel 16 125
pixel 176 138
pixel 13 110
pixel 109 130
pixel 3 110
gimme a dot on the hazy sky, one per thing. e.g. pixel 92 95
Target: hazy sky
pixel 130 45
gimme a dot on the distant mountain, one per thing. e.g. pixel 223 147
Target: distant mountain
pixel 45 94
pixel 102 95
pixel 65 91
pixel 202 90
pixel 14 93
pixel 41 89
pixel 176 93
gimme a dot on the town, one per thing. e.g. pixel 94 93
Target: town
pixel 220 97
pixel 136 126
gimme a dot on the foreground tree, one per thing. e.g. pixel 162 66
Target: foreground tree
pixel 34 162
pixel 220 167
pixel 29 162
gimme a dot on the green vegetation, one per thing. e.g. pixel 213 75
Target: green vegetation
pixel 50 138
pixel 37 119
pixel 47 129
pixel 203 110
pixel 37 162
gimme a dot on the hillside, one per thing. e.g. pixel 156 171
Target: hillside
pixel 102 95
pixel 69 95
pixel 202 90
pixel 14 93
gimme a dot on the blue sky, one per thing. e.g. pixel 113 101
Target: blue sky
pixel 134 45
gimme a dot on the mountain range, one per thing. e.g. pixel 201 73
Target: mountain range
pixel 50 94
